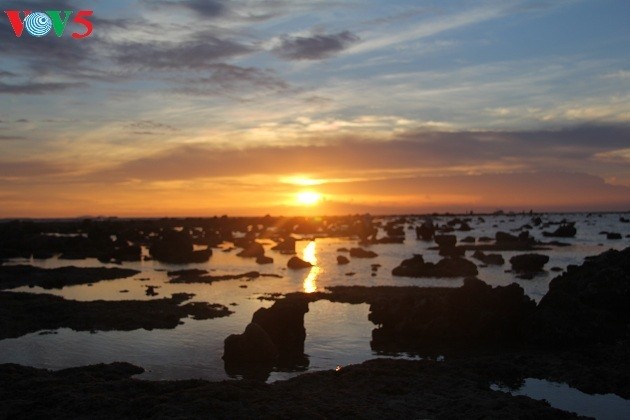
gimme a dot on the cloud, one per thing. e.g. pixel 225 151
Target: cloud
pixel 205 8
pixel 35 88
pixel 314 47
pixel 411 154
pixel 229 79
pixel 29 169
pixel 197 53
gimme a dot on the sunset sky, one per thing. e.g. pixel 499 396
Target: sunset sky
pixel 244 107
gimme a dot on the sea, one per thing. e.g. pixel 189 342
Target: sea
pixel 338 334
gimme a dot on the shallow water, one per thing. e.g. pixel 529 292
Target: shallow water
pixel 562 396
pixel 337 334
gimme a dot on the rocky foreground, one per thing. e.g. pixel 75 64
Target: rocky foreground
pixel 375 389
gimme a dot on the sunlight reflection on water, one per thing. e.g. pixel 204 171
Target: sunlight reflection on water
pixel 310 255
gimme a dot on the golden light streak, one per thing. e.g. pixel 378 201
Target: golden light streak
pixel 310 254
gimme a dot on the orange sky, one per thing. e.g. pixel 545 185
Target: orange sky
pixel 200 108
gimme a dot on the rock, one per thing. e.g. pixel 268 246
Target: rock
pixel 613 236
pixel 447 267
pixel 485 239
pixel 529 263
pixel 284 322
pixel 362 253
pixel 425 231
pixel 489 259
pixel 286 246
pixel 176 247
pixel 253 346
pixel 468 240
pixel 566 230
pixel 472 314
pixel 151 290
pixel 587 304
pixel 263 259
pixel 298 263
pixel 253 250
pixel 446 241
pixel 341 260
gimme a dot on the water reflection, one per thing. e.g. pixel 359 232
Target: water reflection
pixel 310 254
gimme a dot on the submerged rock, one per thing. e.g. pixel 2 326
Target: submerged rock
pixel 362 253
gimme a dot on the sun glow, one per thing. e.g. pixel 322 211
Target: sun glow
pixel 308 198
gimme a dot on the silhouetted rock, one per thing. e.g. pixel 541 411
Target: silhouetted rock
pixel 587 304
pixel 425 231
pixel 252 250
pixel 472 314
pixel 447 267
pixel 12 276
pixel 489 259
pixel 23 313
pixel 253 346
pixel 342 260
pixel 468 240
pixel 286 246
pixel 176 247
pixel 263 259
pixel 362 253
pixel 566 230
pixel 446 241
pixel 529 263
pixel 613 235
pixel 298 263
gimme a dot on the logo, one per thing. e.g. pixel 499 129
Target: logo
pixel 40 24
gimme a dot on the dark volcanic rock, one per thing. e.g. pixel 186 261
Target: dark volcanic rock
pixel 253 346
pixel 23 313
pixel 362 253
pixel 566 230
pixel 252 250
pixel 275 337
pixel 587 304
pixel 263 259
pixel 446 241
pixel 209 279
pixel 529 263
pixel 489 259
pixel 12 276
pixel 473 313
pixel 613 235
pixel 341 260
pixel 425 231
pixel 286 246
pixel 297 263
pixel 379 389
pixel 447 267
pixel 177 247
pixel 468 240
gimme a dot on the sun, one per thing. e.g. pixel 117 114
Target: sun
pixel 308 198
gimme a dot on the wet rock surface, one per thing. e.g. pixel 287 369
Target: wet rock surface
pixel 12 276
pixel 375 389
pixel 23 313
